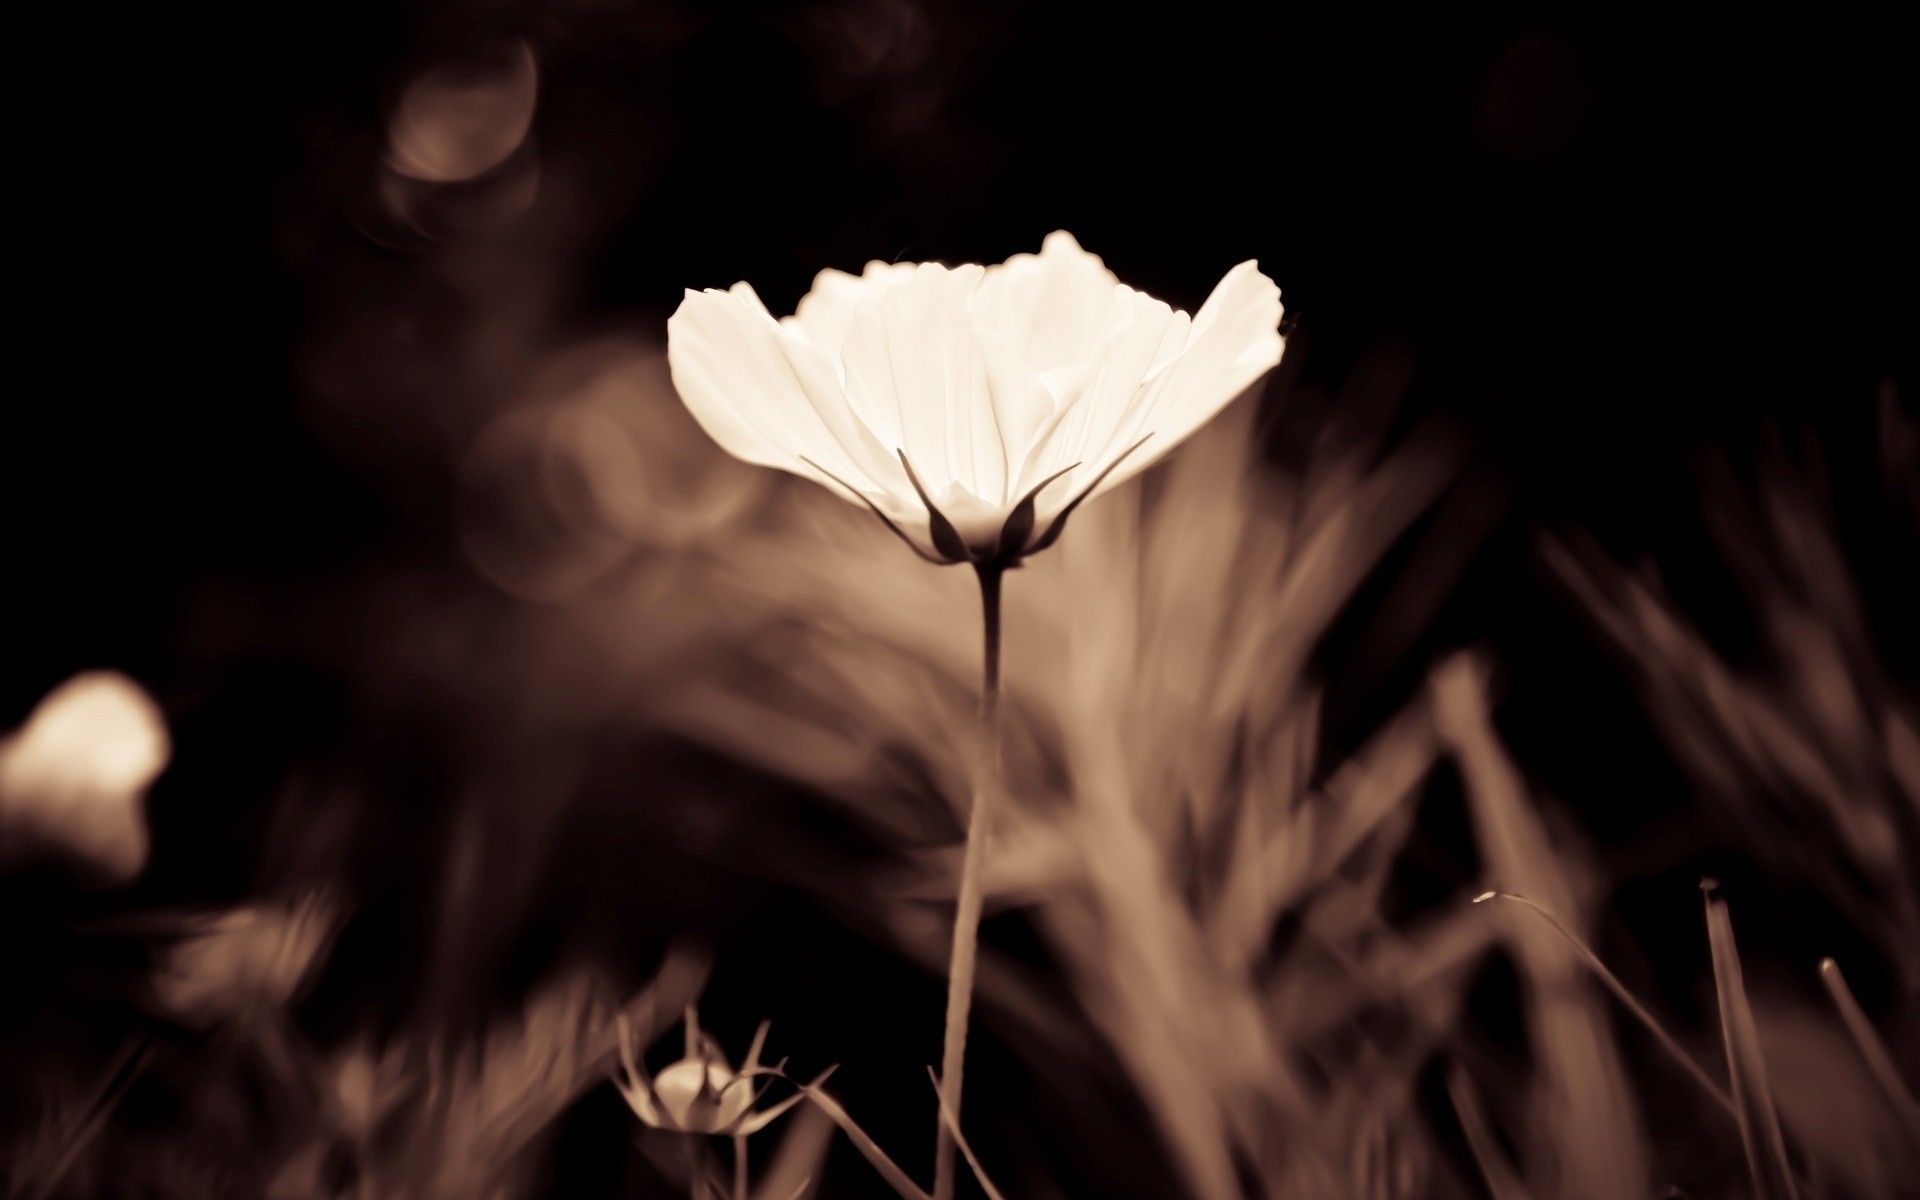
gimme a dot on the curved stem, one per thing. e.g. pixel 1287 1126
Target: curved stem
pixel 966 917
pixel 1612 983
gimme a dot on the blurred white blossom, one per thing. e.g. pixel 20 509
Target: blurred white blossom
pixel 73 777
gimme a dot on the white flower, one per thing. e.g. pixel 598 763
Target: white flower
pixel 699 1094
pixel 72 779
pixel 972 408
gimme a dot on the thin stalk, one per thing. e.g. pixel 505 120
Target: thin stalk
pixel 739 1167
pixel 1872 1050
pixel 697 1188
pixel 1759 1120
pixel 1646 1019
pixel 125 1067
pixel 966 917
pixel 1612 982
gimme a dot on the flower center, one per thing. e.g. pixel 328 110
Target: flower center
pixel 702 1097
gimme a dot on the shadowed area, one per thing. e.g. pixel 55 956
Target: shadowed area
pixel 404 694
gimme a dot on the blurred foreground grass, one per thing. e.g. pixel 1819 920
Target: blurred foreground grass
pixel 1224 955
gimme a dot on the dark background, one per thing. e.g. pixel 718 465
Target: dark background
pixel 1608 239
pixel 1609 232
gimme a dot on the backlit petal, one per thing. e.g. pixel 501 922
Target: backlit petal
pixel 978 521
pixel 913 365
pixel 1235 340
pixel 1024 400
pixel 1151 335
pixel 1053 307
pixel 826 312
pixel 766 397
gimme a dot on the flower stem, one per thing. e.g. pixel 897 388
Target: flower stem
pixel 966 917
pixel 697 1188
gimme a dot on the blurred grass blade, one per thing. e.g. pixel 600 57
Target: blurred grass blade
pixel 1753 1102
pixel 1872 1050
pixel 799 1160
pixel 124 1068
pixel 960 1140
pixel 1583 1102
pixel 889 1170
pixel 1502 1183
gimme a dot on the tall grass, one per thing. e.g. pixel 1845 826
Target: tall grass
pixel 1203 951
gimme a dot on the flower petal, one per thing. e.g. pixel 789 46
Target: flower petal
pixel 1150 335
pixel 912 356
pixel 1052 307
pixel 820 378
pixel 977 521
pixel 1235 339
pixel 825 313
pixel 767 397
pixel 993 382
pixel 1023 402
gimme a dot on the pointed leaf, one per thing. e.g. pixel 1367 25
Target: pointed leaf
pixel 888 1169
pixel 736 1081
pixel 875 509
pixel 1059 525
pixel 753 1051
pixel 767 1116
pixel 799 1158
pixel 946 539
pixel 1019 526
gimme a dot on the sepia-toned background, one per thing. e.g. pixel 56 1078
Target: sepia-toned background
pixel 1570 552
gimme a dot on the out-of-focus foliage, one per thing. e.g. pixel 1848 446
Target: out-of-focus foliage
pixel 1231 986
pixel 618 684
pixel 1811 752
